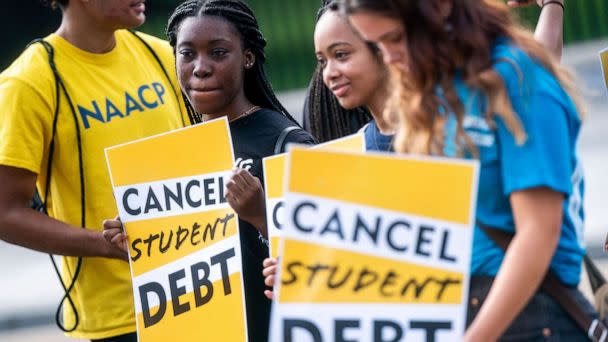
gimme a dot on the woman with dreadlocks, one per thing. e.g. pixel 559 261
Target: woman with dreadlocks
pixel 220 59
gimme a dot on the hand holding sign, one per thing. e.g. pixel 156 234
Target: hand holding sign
pixel 387 256
pixel 245 195
pixel 270 272
pixel 184 242
pixel 113 233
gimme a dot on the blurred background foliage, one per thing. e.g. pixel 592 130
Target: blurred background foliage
pixel 287 25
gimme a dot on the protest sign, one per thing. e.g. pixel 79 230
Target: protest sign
pixel 378 253
pixel 274 179
pixel 184 245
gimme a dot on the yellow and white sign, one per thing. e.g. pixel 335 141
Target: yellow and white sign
pixel 274 179
pixel 184 245
pixel 604 63
pixel 379 253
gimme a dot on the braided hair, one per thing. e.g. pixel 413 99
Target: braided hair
pixel 257 87
pixel 324 117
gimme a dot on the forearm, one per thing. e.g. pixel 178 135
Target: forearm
pixel 524 266
pixel 28 228
pixel 259 222
pixel 550 29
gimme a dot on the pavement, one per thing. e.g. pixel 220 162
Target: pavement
pixel 30 291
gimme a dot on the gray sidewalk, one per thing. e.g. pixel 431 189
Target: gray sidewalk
pixel 29 290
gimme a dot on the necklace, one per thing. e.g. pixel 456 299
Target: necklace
pixel 245 113
pixel 242 115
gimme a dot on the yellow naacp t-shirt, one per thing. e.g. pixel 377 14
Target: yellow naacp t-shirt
pixel 118 96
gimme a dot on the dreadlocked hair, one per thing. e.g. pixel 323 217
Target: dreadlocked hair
pixel 326 119
pixel 256 84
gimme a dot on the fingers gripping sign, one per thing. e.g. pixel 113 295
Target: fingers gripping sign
pixel 269 272
pixel 245 195
pixel 114 235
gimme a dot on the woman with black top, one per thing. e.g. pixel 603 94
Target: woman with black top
pixel 220 59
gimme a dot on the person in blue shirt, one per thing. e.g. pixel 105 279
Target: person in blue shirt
pixel 485 89
pixel 349 87
pixel 332 112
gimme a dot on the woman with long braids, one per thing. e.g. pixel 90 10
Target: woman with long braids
pixel 347 92
pixel 220 59
pixel 349 85
pixel 220 66
pixel 469 82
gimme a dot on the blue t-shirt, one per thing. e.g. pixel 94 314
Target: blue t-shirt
pixel 376 141
pixel 548 158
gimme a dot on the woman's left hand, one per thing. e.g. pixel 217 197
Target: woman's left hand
pixel 245 195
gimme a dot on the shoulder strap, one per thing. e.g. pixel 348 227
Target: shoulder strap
pixel 279 145
pixel 595 328
pixel 171 85
pixel 40 202
pixel 51 58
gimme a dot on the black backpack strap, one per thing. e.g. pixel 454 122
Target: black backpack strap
pixel 279 146
pixel 191 116
pixel 41 206
pixel 595 329
pixel 39 203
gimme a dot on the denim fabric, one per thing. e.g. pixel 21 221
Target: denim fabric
pixel 541 320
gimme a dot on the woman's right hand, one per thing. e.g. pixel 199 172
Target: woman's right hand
pixel 113 233
pixel 269 272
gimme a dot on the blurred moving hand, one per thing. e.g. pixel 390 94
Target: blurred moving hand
pixel 270 272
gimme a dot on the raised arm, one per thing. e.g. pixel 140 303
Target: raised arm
pixel 550 27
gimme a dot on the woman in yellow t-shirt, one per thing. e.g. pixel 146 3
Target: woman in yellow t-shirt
pixel 104 98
